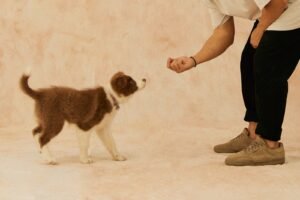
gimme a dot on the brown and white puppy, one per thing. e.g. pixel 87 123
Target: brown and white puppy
pixel 88 109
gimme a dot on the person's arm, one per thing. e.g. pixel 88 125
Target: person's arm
pixel 270 13
pixel 217 43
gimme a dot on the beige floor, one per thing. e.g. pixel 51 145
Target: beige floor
pixel 167 131
pixel 166 164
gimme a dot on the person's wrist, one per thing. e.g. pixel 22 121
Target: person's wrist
pixel 194 60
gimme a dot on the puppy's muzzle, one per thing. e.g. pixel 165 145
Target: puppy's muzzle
pixel 141 84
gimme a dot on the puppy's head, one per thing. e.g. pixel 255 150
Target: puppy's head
pixel 124 86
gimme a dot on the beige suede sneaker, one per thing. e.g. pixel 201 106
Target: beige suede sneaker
pixel 236 144
pixel 257 153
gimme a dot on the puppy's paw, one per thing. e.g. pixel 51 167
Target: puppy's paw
pixel 86 160
pixel 119 158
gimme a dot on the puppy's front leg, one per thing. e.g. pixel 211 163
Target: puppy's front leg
pixel 109 143
pixel 84 142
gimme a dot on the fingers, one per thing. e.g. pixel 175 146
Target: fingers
pixel 173 64
pixel 176 65
pixel 180 64
pixel 169 62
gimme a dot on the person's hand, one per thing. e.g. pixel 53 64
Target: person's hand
pixel 180 64
pixel 256 37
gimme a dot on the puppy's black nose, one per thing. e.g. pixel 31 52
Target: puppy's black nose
pixel 144 80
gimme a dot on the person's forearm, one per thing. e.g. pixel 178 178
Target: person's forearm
pixel 271 12
pixel 213 47
pixel 218 42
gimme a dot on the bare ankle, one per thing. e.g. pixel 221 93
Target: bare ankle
pixel 252 135
pixel 272 144
pixel 251 128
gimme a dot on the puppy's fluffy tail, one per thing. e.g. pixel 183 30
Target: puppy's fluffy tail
pixel 25 87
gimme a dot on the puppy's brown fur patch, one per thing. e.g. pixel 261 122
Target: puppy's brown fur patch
pixel 55 105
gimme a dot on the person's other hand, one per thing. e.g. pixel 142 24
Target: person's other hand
pixel 256 37
pixel 180 64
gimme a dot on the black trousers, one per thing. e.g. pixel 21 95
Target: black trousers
pixel 265 72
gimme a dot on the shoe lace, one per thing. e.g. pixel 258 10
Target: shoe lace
pixel 254 146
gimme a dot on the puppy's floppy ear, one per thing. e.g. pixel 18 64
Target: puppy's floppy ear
pixel 117 75
pixel 121 81
pixel 120 73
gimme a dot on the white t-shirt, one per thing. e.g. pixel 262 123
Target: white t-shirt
pixel 221 10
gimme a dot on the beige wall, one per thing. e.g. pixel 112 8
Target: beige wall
pixel 82 43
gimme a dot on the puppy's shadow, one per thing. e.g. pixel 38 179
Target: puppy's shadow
pixel 73 159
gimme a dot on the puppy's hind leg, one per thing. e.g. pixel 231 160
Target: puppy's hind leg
pixel 49 132
pixel 105 135
pixel 83 142
pixel 36 132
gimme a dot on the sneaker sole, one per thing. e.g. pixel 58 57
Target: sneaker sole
pixel 217 151
pixel 272 162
